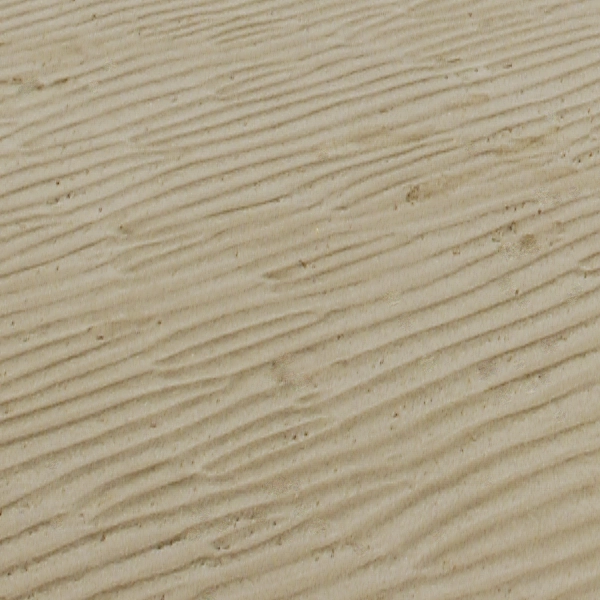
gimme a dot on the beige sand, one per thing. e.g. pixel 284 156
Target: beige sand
pixel 299 300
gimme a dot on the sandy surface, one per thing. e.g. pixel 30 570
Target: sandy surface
pixel 299 300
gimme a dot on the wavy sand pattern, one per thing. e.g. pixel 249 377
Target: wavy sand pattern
pixel 299 300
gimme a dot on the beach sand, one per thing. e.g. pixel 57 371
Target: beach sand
pixel 299 300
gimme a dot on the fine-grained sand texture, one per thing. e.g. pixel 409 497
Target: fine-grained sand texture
pixel 299 300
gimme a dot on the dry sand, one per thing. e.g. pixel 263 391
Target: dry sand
pixel 299 300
